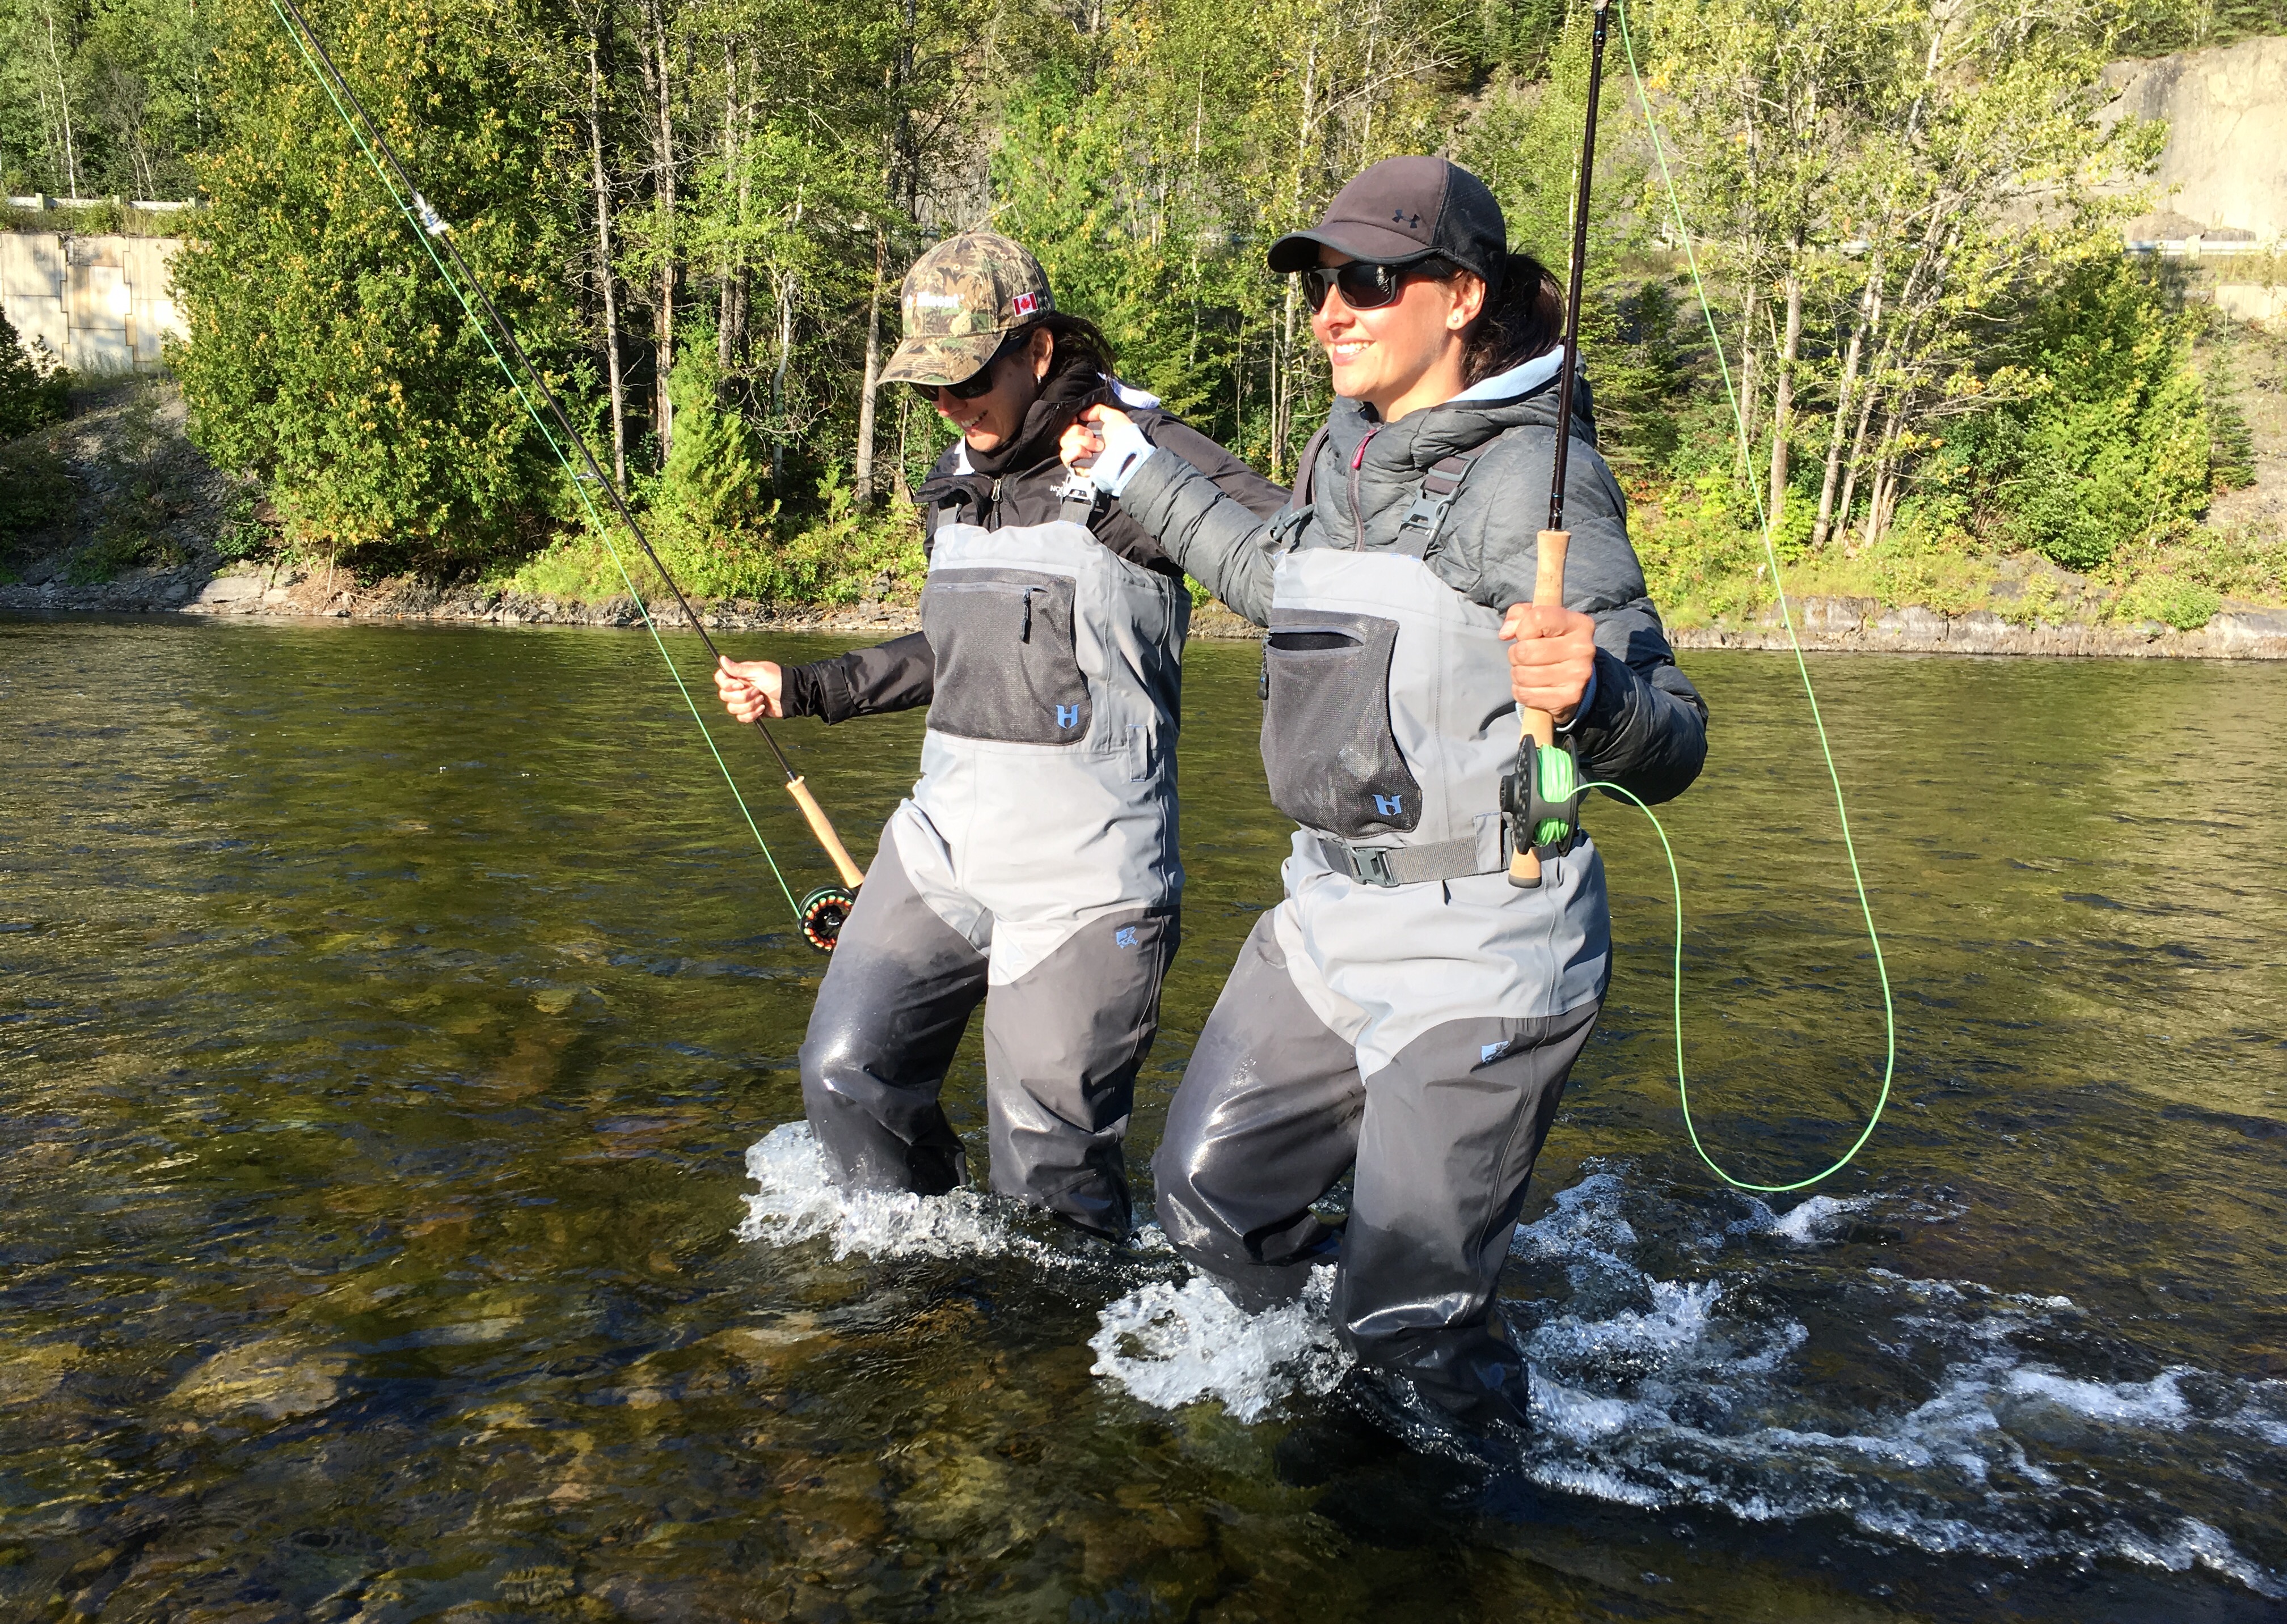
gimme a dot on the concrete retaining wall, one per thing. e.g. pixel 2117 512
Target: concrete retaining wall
pixel 100 305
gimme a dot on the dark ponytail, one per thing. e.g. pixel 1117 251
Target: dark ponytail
pixel 1080 346
pixel 1523 318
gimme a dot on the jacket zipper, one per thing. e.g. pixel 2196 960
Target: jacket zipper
pixel 1358 517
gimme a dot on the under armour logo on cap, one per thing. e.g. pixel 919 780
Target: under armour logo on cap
pixel 1412 222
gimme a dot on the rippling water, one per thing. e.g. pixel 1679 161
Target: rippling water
pixel 409 1215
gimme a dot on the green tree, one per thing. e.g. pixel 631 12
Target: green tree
pixel 326 355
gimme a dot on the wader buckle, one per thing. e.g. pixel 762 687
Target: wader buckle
pixel 1530 811
pixel 1369 865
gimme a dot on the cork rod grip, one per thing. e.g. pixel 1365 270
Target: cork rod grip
pixel 1547 588
pixel 799 789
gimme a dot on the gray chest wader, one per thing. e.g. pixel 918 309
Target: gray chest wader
pixel 1404 1010
pixel 1034 869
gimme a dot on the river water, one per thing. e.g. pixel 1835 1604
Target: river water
pixel 408 1215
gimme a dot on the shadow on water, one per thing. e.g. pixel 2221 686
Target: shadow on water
pixel 407 1218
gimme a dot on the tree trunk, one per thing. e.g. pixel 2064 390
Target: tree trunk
pixel 63 101
pixel 1882 498
pixel 1783 383
pixel 1870 314
pixel 1282 361
pixel 663 144
pixel 1858 458
pixel 865 480
pixel 1750 376
pixel 786 288
pixel 603 267
pixel 743 284
pixel 726 292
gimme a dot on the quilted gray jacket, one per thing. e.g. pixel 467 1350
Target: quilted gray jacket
pixel 1645 727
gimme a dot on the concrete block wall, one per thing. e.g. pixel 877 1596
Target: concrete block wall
pixel 101 304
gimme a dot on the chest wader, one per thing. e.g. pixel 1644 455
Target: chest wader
pixel 1405 1011
pixel 1034 870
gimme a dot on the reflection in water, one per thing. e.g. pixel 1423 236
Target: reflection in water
pixel 408 1215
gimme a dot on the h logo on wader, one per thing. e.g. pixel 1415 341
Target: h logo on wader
pixel 1125 936
pixel 1390 806
pixel 1067 715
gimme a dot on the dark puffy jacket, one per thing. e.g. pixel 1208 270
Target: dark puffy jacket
pixel 899 674
pixel 1646 726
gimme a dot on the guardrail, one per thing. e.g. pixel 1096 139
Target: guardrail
pixel 2199 247
pixel 42 201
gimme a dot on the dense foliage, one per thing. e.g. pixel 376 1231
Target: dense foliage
pixel 33 390
pixel 697 212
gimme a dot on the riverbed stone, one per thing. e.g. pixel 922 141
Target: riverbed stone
pixel 274 1378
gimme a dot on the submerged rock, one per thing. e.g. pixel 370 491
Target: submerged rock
pixel 274 1378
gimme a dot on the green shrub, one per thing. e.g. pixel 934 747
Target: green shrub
pixel 37 492
pixel 2102 439
pixel 326 357
pixel 34 391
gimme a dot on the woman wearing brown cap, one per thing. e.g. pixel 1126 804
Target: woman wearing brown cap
pixel 1405 1012
pixel 1035 868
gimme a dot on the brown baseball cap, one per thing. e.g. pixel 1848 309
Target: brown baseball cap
pixel 960 302
pixel 1403 210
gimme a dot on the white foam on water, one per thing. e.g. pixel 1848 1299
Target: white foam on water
pixel 2157 1402
pixel 1170 1345
pixel 796 1200
pixel 1659 1392
pixel 1805 1222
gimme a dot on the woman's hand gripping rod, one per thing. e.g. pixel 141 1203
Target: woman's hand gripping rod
pixel 1542 798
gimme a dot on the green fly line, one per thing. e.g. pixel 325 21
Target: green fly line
pixel 426 223
pixel 1803 667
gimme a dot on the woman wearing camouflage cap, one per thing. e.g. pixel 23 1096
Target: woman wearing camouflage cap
pixel 1405 1013
pixel 1035 868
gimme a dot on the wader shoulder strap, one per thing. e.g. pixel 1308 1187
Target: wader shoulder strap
pixel 1306 472
pixel 1077 499
pixel 1417 532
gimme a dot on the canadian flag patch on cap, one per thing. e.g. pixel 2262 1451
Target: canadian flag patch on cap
pixel 1024 303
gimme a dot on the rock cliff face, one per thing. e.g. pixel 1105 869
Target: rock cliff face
pixel 1863 626
pixel 2226 108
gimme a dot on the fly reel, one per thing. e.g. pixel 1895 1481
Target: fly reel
pixel 823 913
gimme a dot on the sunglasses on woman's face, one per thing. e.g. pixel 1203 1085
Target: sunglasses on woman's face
pixel 977 383
pixel 1364 286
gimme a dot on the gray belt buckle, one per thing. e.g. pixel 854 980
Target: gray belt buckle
pixel 1369 865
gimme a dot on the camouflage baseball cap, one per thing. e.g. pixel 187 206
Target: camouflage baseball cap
pixel 961 299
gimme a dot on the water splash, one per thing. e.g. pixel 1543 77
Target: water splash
pixel 795 1200
pixel 1171 1345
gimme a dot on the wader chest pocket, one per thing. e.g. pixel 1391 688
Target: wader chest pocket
pixel 1327 748
pixel 1006 667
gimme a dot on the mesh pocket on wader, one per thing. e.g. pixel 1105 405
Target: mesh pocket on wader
pixel 1006 665
pixel 1327 748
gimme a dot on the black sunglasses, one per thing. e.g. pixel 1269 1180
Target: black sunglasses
pixel 978 383
pixel 1364 285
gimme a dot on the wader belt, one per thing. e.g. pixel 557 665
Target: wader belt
pixel 1403 865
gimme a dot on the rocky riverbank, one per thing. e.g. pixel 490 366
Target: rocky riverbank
pixel 1842 625
pixel 1825 625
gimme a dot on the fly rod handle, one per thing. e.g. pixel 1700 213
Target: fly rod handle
pixel 816 816
pixel 1539 726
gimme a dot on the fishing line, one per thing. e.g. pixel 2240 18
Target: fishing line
pixel 821 914
pixel 1548 759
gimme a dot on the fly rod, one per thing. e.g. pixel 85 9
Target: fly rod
pixel 822 913
pixel 1544 795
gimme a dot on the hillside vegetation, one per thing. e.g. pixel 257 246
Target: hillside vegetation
pixel 696 213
